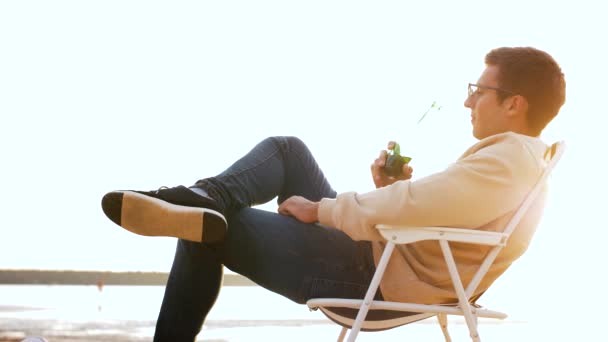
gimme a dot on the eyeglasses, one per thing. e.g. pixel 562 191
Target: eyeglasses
pixel 474 89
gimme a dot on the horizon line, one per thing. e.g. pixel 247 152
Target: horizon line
pixel 99 278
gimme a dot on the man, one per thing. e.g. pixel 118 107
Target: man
pixel 321 244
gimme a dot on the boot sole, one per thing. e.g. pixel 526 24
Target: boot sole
pixel 149 216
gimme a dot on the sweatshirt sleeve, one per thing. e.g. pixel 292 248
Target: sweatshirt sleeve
pixel 475 190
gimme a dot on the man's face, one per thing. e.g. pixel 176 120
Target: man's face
pixel 487 112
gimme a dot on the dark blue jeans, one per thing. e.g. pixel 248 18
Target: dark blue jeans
pixel 294 259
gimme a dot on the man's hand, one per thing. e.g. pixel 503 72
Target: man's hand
pixel 378 175
pixel 302 209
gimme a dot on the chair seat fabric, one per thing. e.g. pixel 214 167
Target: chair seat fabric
pixel 376 320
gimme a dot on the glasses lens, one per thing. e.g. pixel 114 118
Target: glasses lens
pixel 472 89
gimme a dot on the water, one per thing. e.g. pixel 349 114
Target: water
pixel 128 313
pixel 136 303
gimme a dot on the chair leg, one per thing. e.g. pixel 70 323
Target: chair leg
pixel 342 334
pixel 443 322
pixel 371 291
pixel 469 316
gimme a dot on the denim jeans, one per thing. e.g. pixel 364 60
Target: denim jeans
pixel 294 259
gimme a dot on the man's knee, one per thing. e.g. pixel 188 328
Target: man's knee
pixel 288 143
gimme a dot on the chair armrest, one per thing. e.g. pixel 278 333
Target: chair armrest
pixel 404 235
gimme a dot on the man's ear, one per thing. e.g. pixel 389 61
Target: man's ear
pixel 517 105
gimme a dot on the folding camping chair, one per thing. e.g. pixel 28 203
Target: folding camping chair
pixel 337 309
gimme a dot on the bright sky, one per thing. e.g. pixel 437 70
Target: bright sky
pixel 104 95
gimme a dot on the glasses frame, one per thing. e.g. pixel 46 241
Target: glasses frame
pixel 471 92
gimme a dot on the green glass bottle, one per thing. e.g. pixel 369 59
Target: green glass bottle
pixel 395 161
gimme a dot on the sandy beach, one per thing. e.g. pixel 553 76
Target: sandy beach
pixel 128 313
pixel 294 331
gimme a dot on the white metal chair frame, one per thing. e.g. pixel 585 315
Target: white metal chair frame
pixel 405 235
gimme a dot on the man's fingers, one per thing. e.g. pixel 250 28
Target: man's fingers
pixel 282 210
pixel 285 211
pixel 378 175
pixel 283 207
pixel 381 161
pixel 406 172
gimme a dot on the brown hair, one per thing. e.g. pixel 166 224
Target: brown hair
pixel 533 74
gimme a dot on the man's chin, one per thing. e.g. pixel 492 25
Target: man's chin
pixel 478 135
pixel 475 134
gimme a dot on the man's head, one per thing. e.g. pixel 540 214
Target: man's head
pixel 521 90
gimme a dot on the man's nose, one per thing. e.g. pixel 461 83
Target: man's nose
pixel 468 102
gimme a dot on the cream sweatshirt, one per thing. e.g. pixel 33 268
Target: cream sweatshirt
pixel 481 190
